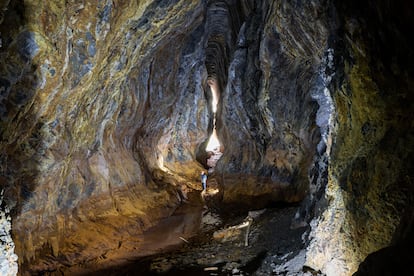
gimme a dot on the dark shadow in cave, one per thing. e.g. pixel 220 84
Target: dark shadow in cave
pixel 21 137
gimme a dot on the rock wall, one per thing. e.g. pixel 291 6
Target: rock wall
pixel 102 109
pixel 105 110
pixel 368 188
pixel 267 123
pixel 320 93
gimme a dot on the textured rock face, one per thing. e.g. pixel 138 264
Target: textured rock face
pixel 369 185
pixel 268 110
pixel 105 111
pixel 102 110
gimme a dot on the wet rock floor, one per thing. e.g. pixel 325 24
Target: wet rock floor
pixel 221 247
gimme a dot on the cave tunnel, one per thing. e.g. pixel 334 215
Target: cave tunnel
pixel 108 108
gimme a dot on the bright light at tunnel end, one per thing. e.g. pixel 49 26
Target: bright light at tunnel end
pixel 213 143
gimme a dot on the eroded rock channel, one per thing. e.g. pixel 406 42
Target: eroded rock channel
pixel 106 111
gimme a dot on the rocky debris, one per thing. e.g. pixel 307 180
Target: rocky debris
pixel 210 221
pixel 270 234
pixel 239 231
pixel 229 234
pixel 233 233
pixel 292 264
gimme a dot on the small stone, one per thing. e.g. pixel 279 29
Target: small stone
pixel 235 271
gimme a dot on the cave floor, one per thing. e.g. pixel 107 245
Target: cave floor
pixel 219 247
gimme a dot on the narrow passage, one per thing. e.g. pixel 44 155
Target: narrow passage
pixel 214 148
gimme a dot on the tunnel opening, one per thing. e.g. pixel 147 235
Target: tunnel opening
pixel 213 148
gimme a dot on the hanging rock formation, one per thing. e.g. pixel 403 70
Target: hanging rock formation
pixel 104 113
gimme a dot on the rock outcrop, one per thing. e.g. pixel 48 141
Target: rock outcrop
pixel 105 111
